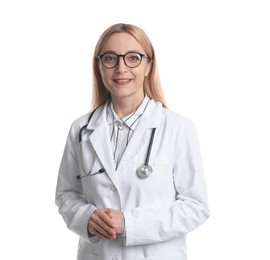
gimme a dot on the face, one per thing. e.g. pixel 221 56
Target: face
pixel 123 81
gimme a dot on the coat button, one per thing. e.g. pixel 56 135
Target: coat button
pixel 113 188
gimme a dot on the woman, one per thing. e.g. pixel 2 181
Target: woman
pixel 131 182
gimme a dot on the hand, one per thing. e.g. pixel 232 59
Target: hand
pixel 102 225
pixel 118 220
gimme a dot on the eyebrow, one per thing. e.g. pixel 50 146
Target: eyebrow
pixel 110 51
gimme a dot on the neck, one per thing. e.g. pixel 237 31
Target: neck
pixel 125 107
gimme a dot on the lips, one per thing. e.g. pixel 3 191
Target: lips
pixel 122 81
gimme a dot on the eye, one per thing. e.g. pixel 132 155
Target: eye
pixel 133 57
pixel 109 58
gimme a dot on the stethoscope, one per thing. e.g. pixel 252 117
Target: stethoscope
pixel 144 171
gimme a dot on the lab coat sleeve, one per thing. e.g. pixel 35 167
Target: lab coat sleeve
pixel 69 192
pixel 162 222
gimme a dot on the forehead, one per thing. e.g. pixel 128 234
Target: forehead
pixel 121 43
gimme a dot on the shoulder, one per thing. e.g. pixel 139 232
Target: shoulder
pixel 85 118
pixel 81 121
pixel 180 127
pixel 167 118
pixel 175 119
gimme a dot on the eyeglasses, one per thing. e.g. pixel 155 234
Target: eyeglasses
pixel 131 59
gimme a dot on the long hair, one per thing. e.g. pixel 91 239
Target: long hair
pixel 152 85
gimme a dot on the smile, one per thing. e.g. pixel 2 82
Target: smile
pixel 122 81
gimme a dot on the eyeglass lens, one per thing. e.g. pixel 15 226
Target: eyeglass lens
pixel 132 59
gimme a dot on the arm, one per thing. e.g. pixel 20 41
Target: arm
pixel 162 222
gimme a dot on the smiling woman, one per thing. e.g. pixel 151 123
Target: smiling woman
pixel 142 45
pixel 117 207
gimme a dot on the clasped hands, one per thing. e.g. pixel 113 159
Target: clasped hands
pixel 106 223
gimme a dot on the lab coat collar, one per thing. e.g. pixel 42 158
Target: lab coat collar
pixel 100 141
pixel 150 118
pixel 130 120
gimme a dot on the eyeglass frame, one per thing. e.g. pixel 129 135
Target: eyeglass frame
pixel 122 55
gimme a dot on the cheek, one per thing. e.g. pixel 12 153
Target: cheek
pixel 142 71
pixel 104 75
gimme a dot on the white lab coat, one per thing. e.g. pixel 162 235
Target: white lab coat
pixel 159 211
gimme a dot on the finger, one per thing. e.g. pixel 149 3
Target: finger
pixel 112 213
pixel 95 229
pixel 118 218
pixel 102 228
pixel 103 216
pixel 98 223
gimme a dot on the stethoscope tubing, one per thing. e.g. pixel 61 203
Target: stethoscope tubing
pixel 150 147
pixel 90 174
pixel 83 127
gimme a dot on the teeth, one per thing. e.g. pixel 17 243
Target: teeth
pixel 122 80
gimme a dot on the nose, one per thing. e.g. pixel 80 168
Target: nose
pixel 121 66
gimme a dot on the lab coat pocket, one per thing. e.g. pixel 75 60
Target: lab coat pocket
pixel 157 188
pixel 84 255
pixel 173 257
pixel 86 251
pixel 160 172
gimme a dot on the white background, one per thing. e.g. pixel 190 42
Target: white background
pixel 214 62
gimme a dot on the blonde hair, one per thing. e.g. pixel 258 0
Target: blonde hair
pixel 152 85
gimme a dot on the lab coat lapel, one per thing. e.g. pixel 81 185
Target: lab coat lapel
pixel 100 141
pixel 141 136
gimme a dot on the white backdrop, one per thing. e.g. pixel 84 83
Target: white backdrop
pixel 214 62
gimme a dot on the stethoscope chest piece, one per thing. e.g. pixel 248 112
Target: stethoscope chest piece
pixel 144 171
